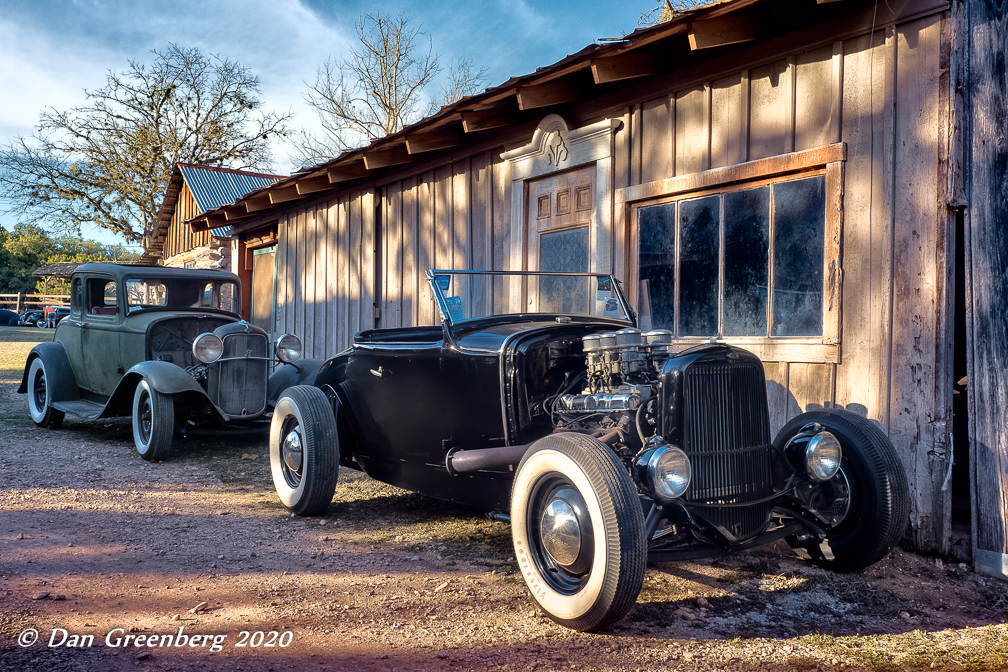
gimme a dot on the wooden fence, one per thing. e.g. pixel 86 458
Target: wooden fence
pixel 23 301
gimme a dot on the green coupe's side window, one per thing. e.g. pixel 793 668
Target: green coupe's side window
pixel 77 296
pixel 101 297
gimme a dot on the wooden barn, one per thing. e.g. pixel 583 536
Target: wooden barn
pixel 826 187
pixel 192 191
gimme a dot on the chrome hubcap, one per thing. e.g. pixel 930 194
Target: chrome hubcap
pixel 146 418
pixel 561 533
pixel 292 450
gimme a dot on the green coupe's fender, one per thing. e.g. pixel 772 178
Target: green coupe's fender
pixel 61 381
pixel 288 375
pixel 164 377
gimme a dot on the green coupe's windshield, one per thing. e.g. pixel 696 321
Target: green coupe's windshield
pixel 181 293
pixel 466 295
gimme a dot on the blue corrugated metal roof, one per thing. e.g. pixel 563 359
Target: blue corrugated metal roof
pixel 214 187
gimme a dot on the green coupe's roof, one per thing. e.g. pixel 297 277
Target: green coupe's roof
pixel 120 271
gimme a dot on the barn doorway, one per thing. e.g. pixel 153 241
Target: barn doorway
pixel 264 289
pixel 961 547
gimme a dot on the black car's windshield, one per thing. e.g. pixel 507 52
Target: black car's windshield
pixel 181 293
pixel 466 295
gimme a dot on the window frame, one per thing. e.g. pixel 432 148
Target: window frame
pixel 827 161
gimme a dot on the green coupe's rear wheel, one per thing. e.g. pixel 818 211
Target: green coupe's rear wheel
pixel 578 531
pixel 40 396
pixel 153 422
pixel 304 450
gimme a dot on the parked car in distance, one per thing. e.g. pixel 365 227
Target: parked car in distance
pixel 53 316
pixel 539 400
pixel 30 318
pixel 165 345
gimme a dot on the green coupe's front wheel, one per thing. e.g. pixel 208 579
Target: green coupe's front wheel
pixel 153 422
pixel 40 396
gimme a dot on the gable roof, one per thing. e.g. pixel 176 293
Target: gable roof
pixel 211 187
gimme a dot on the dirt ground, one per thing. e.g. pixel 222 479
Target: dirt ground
pixel 104 556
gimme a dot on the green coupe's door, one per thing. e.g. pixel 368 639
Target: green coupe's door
pixel 100 325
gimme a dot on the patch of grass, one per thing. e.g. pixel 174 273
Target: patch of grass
pixel 15 343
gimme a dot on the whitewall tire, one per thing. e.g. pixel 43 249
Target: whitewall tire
pixel 40 396
pixel 304 450
pixel 153 422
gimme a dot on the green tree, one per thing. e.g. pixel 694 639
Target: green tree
pixel 108 161
pixel 24 249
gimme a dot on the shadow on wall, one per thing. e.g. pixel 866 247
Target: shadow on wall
pixel 784 406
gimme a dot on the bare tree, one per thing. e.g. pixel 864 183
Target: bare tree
pixel 667 10
pixel 108 161
pixel 463 80
pixel 378 89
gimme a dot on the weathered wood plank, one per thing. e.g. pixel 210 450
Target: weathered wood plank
pixel 409 253
pixel 355 281
pixel 283 273
pixel 868 89
pixel 426 246
pixel 912 409
pixel 636 148
pixel 343 333
pixel 501 206
pixel 777 394
pixel 332 244
pixel 392 257
pixel 460 231
pixel 770 110
pixel 310 223
pixel 727 108
pixel 321 269
pixel 810 387
pixel 692 134
pixel 299 277
pixel 656 139
pixel 987 283
pixel 368 245
pixel 621 179
pixel 814 95
pixel 482 239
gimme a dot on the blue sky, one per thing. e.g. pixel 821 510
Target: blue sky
pixel 51 50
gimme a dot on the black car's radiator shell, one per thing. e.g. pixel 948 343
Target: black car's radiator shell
pixel 714 405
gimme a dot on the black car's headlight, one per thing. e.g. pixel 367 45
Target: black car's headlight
pixel 664 470
pixel 288 348
pixel 814 451
pixel 208 348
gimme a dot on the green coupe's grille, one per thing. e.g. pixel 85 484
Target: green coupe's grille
pixel 241 383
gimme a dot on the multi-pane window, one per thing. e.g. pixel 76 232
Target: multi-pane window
pixel 741 262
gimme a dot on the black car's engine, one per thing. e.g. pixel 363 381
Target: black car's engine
pixel 621 384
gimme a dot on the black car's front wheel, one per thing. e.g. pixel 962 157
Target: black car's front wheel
pixel 578 531
pixel 304 450
pixel 40 396
pixel 874 507
pixel 153 422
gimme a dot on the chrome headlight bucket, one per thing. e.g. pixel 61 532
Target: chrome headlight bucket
pixel 208 348
pixel 816 452
pixel 664 470
pixel 288 348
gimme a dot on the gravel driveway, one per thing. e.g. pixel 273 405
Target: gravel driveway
pixel 193 564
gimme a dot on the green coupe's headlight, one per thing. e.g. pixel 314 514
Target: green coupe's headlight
pixel 208 348
pixel 288 348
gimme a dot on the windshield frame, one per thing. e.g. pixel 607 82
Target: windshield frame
pixel 446 320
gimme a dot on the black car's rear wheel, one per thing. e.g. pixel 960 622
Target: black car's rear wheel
pixel 874 509
pixel 40 396
pixel 578 531
pixel 153 422
pixel 304 450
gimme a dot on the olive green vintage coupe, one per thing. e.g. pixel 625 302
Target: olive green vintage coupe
pixel 164 344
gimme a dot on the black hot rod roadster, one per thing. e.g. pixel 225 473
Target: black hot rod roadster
pixel 539 399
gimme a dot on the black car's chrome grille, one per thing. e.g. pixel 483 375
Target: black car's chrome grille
pixel 241 382
pixel 727 437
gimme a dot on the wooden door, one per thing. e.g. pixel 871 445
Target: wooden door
pixel 264 289
pixel 560 221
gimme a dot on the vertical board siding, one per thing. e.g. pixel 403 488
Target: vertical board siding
pixel 656 140
pixel 691 131
pixel 410 271
pixel 912 414
pixel 868 91
pixel 426 192
pixel 727 141
pixel 770 110
pixel 814 94
pixel 501 206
